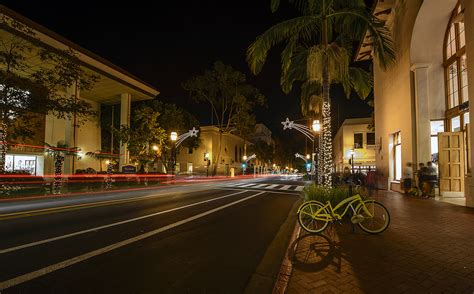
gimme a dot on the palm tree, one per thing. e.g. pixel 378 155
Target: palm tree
pixel 317 52
pixel 59 152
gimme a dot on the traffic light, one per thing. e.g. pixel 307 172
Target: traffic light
pixel 308 166
pixel 244 165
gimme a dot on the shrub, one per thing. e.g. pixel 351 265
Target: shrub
pixel 325 194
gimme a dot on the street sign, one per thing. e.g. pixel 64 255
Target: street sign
pixel 129 169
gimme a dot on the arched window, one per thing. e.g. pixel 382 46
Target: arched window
pixel 456 72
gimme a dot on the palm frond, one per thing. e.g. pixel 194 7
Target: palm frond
pixel 295 72
pixel 311 98
pixel 274 5
pixel 358 21
pixel 338 60
pixel 302 28
pixel 361 82
pixel 382 43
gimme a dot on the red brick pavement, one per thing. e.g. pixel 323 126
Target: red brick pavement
pixel 428 248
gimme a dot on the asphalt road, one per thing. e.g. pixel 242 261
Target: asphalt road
pixel 204 238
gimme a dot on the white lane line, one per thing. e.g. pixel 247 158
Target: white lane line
pixel 11 249
pixel 299 188
pixel 63 264
pixel 286 187
pixel 271 186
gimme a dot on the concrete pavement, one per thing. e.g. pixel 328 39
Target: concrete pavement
pixel 428 248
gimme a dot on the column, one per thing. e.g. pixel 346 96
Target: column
pixel 125 108
pixel 422 113
pixel 468 6
pixel 69 135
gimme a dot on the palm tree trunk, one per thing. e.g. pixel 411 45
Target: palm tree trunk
pixel 3 147
pixel 326 111
pixel 58 171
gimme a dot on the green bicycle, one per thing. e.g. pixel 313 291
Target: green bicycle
pixel 371 216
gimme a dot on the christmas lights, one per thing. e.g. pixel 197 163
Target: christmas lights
pixel 287 124
pixel 326 146
pixel 190 133
pixel 297 155
pixel 108 179
pixel 58 171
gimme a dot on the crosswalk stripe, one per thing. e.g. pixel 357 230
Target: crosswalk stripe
pixel 237 184
pixel 299 188
pixel 286 187
pixel 247 185
pixel 271 187
pixel 260 186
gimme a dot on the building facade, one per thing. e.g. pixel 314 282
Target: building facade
pixel 354 146
pixel 422 103
pixel 203 159
pixel 114 87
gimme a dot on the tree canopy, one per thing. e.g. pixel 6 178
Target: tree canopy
pixel 36 81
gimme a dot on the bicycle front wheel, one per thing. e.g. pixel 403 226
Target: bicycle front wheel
pixel 376 217
pixel 313 217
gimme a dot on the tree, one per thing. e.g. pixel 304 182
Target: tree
pixel 174 119
pixel 59 153
pixel 317 52
pixel 143 133
pixel 264 152
pixel 229 95
pixel 34 82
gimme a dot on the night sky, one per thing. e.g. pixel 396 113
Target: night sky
pixel 167 42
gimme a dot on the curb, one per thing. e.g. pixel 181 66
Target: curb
pixel 286 268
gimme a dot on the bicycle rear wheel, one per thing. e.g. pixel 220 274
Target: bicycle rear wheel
pixel 309 220
pixel 377 220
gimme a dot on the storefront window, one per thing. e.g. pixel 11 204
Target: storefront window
pixel 456 124
pixel 466 118
pixel 397 145
pixel 358 141
pixel 455 61
pixel 437 126
pixel 21 163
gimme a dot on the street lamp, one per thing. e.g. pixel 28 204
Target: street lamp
pixel 351 152
pixel 208 162
pixel 155 147
pixel 173 137
pixel 244 157
pixel 316 125
pixel 308 156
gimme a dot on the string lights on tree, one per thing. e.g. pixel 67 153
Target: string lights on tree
pixel 108 178
pixel 326 146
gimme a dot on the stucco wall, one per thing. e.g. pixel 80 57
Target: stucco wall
pixel 87 138
pixel 344 142
pixel 407 104
pixel 210 144
pixel 393 93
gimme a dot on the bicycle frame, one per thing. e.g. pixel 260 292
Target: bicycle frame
pixel 332 211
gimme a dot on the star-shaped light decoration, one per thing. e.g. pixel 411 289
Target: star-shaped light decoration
pixel 297 155
pixel 193 132
pixel 287 124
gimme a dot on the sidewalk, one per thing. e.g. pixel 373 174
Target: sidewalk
pixel 428 248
